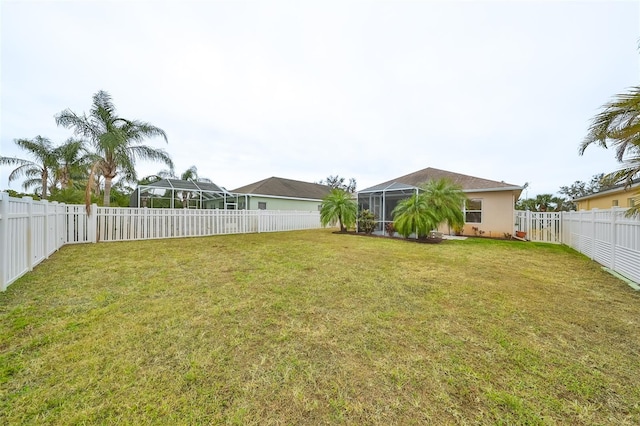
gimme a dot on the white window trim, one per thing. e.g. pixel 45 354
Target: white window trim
pixel 481 211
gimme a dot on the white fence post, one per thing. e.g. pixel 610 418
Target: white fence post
pixel 46 235
pixel 593 234
pixel 92 224
pixel 29 240
pixel 614 213
pixel 4 240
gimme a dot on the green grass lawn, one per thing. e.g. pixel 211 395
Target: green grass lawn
pixel 318 328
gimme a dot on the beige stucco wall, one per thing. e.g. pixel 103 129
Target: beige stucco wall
pixel 605 201
pixel 497 214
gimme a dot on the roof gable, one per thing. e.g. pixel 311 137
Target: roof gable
pixel 281 187
pixel 468 183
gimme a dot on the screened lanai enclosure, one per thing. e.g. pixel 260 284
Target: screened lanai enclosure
pixel 188 194
pixel 382 199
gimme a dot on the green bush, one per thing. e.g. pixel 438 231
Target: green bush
pixel 366 221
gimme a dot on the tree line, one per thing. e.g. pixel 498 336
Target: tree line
pixel 104 146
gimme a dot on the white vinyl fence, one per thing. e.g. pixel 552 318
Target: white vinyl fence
pixel 30 230
pixel 606 236
pixel 544 227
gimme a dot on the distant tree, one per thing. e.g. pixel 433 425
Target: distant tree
pixel 72 163
pixel 116 141
pixel 526 204
pixel 38 171
pixel 339 207
pixel 543 203
pixel 578 189
pixel 618 126
pixel 15 194
pixel 190 174
pixel 339 182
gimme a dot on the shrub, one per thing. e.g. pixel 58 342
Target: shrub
pixel 366 221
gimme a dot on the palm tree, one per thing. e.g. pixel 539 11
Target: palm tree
pixel 439 201
pixel 37 171
pixel 116 141
pixel 190 174
pixel 338 206
pixel 73 163
pixel 445 199
pixel 414 215
pixel 543 202
pixel 618 125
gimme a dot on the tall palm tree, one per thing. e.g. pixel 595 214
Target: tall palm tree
pixel 445 199
pixel 338 206
pixel 618 126
pixel 38 172
pixel 116 140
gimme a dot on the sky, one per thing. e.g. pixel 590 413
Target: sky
pixel 246 90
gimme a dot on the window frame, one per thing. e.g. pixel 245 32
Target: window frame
pixel 467 210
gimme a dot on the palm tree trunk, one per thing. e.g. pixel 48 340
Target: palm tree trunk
pixel 107 191
pixel 45 178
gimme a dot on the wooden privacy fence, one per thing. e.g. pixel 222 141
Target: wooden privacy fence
pixel 31 230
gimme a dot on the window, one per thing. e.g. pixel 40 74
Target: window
pixel 473 211
pixel 631 202
pixel 262 205
pixel 614 203
pixel 319 207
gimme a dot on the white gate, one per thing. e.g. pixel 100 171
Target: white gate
pixel 544 227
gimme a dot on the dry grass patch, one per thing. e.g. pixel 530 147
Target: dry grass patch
pixel 313 327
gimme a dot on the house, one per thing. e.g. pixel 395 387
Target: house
pixel 618 196
pixel 176 193
pixel 276 193
pixel 489 210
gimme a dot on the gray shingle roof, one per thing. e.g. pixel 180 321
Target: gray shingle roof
pixel 281 187
pixel 468 183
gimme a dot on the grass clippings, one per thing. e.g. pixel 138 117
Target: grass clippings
pixel 312 327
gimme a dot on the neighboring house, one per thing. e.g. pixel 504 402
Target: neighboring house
pixel 614 197
pixel 176 193
pixel 276 193
pixel 490 208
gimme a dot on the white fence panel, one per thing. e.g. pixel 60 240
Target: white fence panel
pixel 126 224
pixel 606 236
pixel 544 227
pixel 29 232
